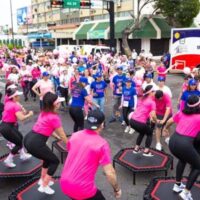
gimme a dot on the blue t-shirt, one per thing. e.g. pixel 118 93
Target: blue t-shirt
pixel 78 97
pixel 128 94
pixel 188 93
pixel 118 81
pixel 98 88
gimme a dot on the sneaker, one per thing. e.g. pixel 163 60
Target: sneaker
pixel 185 195
pixel 123 123
pixel 9 163
pixel 131 131
pixel 147 154
pixel 25 156
pixel 167 140
pixel 136 151
pixel 46 190
pixel 178 188
pixel 10 145
pixel 127 129
pixel 50 182
pixel 158 146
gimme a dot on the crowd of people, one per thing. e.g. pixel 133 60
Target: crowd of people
pixel 142 102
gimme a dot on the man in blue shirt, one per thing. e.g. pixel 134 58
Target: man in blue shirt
pixel 98 88
pixel 117 85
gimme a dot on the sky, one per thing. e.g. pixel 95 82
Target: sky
pixel 5 11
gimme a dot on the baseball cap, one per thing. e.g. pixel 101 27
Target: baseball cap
pixel 45 74
pixel 148 75
pixel 160 78
pixel 12 86
pixel 98 75
pixel 58 100
pixel 119 68
pixel 83 80
pixel 128 80
pixel 192 82
pixel 95 119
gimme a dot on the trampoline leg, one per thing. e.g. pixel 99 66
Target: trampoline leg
pixel 134 177
pixel 172 165
pixel 114 164
pixel 165 173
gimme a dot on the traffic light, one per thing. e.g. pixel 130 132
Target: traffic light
pixel 85 4
pixel 56 3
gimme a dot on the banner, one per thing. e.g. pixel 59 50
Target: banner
pixel 22 15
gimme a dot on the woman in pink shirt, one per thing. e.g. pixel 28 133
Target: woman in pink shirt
pixel 8 128
pixel 48 124
pixel 139 120
pixel 184 144
pixel 44 85
pixel 36 74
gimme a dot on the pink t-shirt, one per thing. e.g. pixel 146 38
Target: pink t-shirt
pixel 187 125
pixel 36 73
pixel 143 110
pixel 87 150
pixel 162 104
pixel 45 86
pixel 161 71
pixel 10 110
pixel 46 123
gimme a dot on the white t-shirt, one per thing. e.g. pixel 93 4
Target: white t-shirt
pixel 134 55
pixel 13 78
pixel 166 90
pixel 64 80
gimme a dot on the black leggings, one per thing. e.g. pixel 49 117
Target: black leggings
pixel 11 133
pixel 183 148
pixel 76 114
pixel 32 83
pixel 35 144
pixel 64 93
pixel 142 129
pixel 126 111
pixel 98 196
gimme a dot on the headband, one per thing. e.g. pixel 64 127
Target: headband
pixel 151 90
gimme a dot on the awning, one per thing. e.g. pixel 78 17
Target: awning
pixel 99 31
pixel 147 30
pixel 39 35
pixel 164 27
pixel 81 34
pixel 120 26
pixel 67 34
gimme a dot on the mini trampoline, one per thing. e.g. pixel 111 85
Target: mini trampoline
pixel 29 191
pixel 60 146
pixel 137 163
pixel 161 189
pixel 26 168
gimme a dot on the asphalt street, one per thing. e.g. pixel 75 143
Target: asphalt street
pixel 117 139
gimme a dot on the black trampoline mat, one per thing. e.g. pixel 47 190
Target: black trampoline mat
pixel 138 161
pixel 22 167
pixel 163 191
pixel 31 193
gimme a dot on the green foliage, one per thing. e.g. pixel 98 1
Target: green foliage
pixel 179 12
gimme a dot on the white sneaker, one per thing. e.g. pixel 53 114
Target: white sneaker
pixel 50 182
pixel 25 156
pixel 127 129
pixel 158 146
pixel 131 131
pixel 9 163
pixel 167 140
pixel 186 195
pixel 149 154
pixel 178 188
pixel 123 123
pixel 46 190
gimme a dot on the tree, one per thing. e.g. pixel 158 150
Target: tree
pixel 179 13
pixel 136 25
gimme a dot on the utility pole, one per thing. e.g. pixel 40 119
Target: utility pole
pixel 11 17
